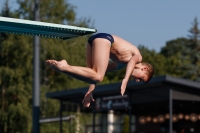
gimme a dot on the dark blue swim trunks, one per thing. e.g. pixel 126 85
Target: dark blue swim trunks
pixel 101 35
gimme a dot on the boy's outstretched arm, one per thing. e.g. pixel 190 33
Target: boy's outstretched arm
pixel 129 70
pixel 88 96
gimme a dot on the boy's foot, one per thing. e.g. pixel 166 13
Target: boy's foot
pixel 57 65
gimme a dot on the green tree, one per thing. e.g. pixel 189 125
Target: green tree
pixel 173 52
pixel 183 56
pixel 16 67
pixel 193 52
pixel 15 108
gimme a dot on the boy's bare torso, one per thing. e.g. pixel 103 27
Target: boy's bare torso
pixel 122 51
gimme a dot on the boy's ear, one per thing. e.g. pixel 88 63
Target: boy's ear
pixel 145 68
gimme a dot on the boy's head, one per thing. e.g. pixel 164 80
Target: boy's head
pixel 143 72
pixel 150 70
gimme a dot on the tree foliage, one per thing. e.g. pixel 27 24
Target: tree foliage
pixel 173 52
pixel 193 52
pixel 183 55
pixel 16 68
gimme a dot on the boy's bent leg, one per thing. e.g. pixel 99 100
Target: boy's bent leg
pixel 100 57
pixel 64 67
pixel 89 56
pixel 96 59
pixel 54 65
pixel 88 96
pixel 78 72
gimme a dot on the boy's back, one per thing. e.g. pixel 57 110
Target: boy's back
pixel 121 51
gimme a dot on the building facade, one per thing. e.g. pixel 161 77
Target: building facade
pixel 165 105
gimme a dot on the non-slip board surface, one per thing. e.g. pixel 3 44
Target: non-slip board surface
pixel 43 29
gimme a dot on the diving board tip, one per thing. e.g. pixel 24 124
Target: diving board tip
pixel 43 29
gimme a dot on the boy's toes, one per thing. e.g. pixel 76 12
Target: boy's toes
pixel 47 62
pixel 50 62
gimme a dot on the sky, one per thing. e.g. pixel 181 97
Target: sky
pixel 150 23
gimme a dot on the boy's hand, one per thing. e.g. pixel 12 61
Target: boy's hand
pixel 87 99
pixel 123 86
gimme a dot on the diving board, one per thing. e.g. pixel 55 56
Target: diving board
pixel 42 29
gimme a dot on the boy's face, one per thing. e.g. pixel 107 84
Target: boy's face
pixel 140 75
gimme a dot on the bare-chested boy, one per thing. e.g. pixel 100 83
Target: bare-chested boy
pixel 105 53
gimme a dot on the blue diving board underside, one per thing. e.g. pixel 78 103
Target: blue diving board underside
pixel 42 29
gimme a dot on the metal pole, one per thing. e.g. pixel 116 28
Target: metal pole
pixel 61 115
pixel 170 112
pixel 93 119
pixel 102 116
pixel 130 110
pixel 36 76
pixel 110 121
